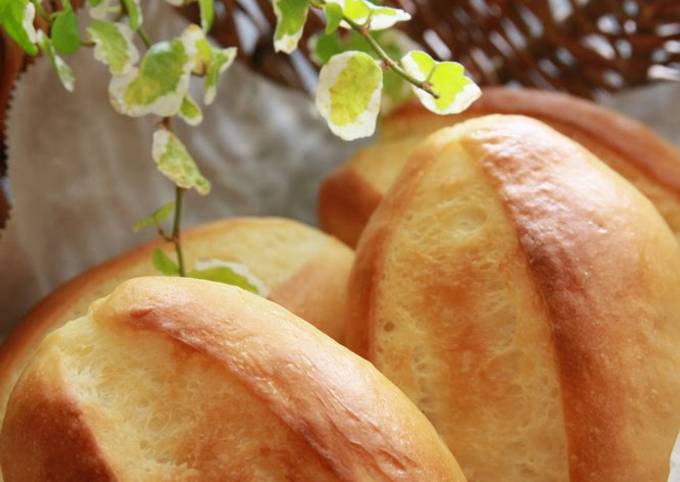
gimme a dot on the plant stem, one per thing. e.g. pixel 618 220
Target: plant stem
pixel 177 230
pixel 145 38
pixel 389 61
pixel 176 235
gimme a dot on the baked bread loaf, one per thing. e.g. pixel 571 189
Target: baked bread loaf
pixel 176 379
pixel 301 268
pixel 350 194
pixel 526 298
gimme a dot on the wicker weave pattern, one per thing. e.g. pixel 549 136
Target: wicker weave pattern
pixel 578 46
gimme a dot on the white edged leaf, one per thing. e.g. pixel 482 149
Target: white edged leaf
pixel 105 9
pixel 64 72
pixel 16 18
pixel 179 3
pixel 160 83
pixel 114 46
pixel 210 62
pixel 190 111
pixel 376 17
pixel 348 94
pixel 291 16
pixel 220 61
pixel 455 91
pixel 134 13
pixel 174 162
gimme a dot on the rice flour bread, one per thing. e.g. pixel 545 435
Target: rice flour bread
pixel 177 379
pixel 292 264
pixel 350 194
pixel 527 298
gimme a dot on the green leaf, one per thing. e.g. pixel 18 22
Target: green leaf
pixel 175 162
pixel 395 89
pixel 291 16
pixel 375 17
pixel 155 218
pixel 114 46
pixel 64 72
pixel 94 3
pixel 134 13
pixel 190 112
pixel 65 33
pixel 333 13
pixel 324 46
pixel 207 8
pixel 348 94
pixel 224 274
pixel 160 83
pixel 455 91
pixel 163 263
pixel 16 17
pixel 220 61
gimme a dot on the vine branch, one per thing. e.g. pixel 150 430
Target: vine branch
pixel 177 230
pixel 390 63
pixel 176 235
pixel 145 38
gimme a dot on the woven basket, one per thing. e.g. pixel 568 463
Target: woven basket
pixel 579 46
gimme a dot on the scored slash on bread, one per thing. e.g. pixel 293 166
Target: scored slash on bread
pixel 305 271
pixel 525 297
pixel 350 194
pixel 176 379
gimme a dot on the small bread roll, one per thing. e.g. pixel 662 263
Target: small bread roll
pixel 349 195
pixel 299 267
pixel 526 298
pixel 176 379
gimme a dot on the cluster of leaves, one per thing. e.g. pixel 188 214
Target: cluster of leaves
pixel 364 66
pixel 153 83
pixel 157 84
pixel 358 67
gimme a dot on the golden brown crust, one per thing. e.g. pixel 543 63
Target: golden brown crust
pixel 305 293
pixel 45 430
pixel 346 202
pixel 354 420
pixel 316 290
pixel 648 152
pixel 627 145
pixel 585 234
pixel 604 271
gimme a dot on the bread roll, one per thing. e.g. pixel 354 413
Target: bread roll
pixel 302 268
pixel 350 194
pixel 176 379
pixel 527 299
